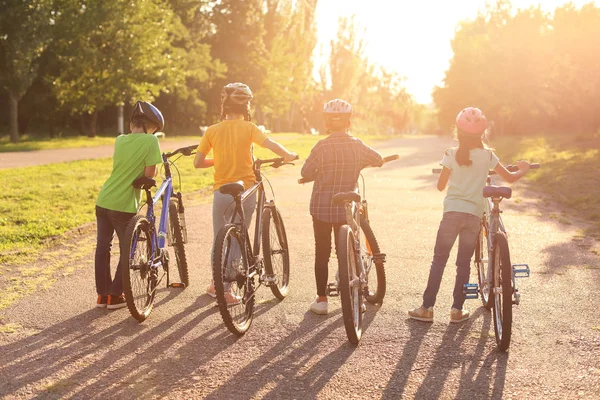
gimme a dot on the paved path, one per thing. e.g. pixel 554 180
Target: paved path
pixel 42 157
pixel 69 350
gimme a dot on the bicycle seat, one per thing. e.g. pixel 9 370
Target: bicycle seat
pixel 144 182
pixel 497 191
pixel 233 189
pixel 345 196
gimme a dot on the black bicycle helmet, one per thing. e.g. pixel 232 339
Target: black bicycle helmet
pixel 146 111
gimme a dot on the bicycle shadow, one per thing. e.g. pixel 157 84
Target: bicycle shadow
pixel 285 369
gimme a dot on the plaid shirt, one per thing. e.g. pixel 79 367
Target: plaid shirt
pixel 335 164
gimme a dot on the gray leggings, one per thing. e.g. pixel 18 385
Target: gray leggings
pixel 223 209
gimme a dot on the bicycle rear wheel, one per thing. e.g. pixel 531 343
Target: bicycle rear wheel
pixel 177 238
pixel 235 291
pixel 275 250
pixel 484 264
pixel 375 279
pixel 139 277
pixel 350 288
pixel 502 284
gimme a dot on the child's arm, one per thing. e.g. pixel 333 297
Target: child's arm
pixel 279 150
pixel 200 161
pixel 311 167
pixel 150 171
pixel 443 179
pixel 512 176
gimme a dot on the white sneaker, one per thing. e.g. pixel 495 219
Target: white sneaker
pixel 319 308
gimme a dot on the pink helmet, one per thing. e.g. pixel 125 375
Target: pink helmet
pixel 471 121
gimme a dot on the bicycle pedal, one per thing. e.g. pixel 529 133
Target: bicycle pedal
pixel 521 271
pixel 269 280
pixel 379 258
pixel 471 290
pixel 178 285
pixel 332 289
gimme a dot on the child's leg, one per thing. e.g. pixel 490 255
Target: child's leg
pixel 105 233
pixel 120 220
pixel 446 236
pixel 221 204
pixel 322 252
pixel 467 240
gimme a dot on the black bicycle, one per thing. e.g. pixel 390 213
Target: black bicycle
pixel 239 267
pixel 148 255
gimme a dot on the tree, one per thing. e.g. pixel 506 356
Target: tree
pixel 117 51
pixel 25 32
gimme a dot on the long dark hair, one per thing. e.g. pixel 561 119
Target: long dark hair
pixel 243 109
pixel 466 143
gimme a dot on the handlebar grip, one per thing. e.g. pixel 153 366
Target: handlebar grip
pixel 436 170
pixel 304 180
pixel 391 158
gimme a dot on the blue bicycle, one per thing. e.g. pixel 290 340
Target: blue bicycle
pixel 148 256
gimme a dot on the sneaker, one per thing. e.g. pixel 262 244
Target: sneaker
pixel 210 289
pixel 102 300
pixel 319 308
pixel 115 302
pixel 457 315
pixel 232 300
pixel 422 314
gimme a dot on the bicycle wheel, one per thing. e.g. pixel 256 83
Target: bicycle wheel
pixel 484 264
pixel 375 279
pixel 235 292
pixel 503 291
pixel 350 287
pixel 139 277
pixel 275 250
pixel 177 239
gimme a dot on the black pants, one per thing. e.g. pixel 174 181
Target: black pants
pixel 109 222
pixel 323 251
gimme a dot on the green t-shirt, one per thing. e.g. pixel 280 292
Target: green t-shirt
pixel 133 153
pixel 465 186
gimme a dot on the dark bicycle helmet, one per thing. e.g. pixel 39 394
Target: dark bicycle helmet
pixel 146 111
pixel 236 93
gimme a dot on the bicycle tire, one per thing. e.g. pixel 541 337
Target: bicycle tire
pixel 139 284
pixel 502 301
pixel 178 246
pixel 349 285
pixel 372 247
pixel 274 242
pixel 484 280
pixel 232 281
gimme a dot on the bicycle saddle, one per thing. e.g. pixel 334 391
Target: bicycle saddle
pixel 233 189
pixel 345 196
pixel 497 191
pixel 144 182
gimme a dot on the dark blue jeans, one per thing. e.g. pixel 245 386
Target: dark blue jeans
pixel 109 222
pixel 466 228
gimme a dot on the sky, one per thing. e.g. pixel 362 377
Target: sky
pixel 408 37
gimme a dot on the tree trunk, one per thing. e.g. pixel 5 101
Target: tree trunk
pixel 120 121
pixel 93 123
pixel 82 128
pixel 14 118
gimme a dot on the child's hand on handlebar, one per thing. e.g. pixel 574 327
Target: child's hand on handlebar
pixel 289 157
pixel 523 166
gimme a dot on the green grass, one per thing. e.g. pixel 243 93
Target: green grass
pixel 568 173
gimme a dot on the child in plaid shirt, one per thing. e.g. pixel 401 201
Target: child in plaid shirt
pixel 334 164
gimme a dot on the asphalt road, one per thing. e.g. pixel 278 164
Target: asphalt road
pixel 65 348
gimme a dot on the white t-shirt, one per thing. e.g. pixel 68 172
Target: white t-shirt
pixel 466 183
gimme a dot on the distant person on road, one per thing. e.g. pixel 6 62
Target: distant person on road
pixel 136 154
pixel 231 142
pixel 334 164
pixel 465 171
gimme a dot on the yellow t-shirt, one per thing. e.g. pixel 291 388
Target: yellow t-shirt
pixel 231 142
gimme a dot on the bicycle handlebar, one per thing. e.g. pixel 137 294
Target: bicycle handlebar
pixel 385 160
pixel 510 168
pixel 275 162
pixel 186 151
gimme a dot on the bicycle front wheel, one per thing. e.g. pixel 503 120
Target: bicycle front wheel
pixel 177 238
pixel 275 250
pixel 375 279
pixel 502 284
pixel 140 277
pixel 349 285
pixel 235 291
pixel 484 264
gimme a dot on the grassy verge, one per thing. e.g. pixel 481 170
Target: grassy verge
pixel 31 143
pixel 569 171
